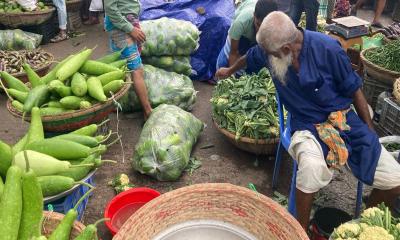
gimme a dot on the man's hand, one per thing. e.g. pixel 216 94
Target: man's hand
pixel 361 105
pixel 138 35
pixel 223 73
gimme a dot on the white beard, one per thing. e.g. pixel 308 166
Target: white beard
pixel 280 66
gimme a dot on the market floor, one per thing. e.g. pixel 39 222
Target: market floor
pixel 221 161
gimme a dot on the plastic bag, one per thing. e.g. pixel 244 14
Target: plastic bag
pixel 96 6
pixel 162 87
pixel 370 42
pixel 395 142
pixel 168 36
pixel 166 141
pixel 214 25
pixel 178 64
pixel 18 40
pixel 28 5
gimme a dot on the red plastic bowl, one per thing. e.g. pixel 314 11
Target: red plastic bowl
pixel 135 197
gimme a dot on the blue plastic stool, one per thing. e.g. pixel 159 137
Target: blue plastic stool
pixel 285 138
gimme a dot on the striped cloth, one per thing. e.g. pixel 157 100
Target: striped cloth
pixel 323 8
pixel 329 134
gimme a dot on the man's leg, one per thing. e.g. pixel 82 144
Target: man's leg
pixel 311 7
pixel 386 181
pixel 141 91
pixel 312 174
pixel 62 20
pixel 378 12
pixel 304 203
pixel 296 11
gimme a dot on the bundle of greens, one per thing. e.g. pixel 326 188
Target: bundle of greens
pixel 162 87
pixel 386 56
pixel 376 223
pixel 164 146
pixel 246 106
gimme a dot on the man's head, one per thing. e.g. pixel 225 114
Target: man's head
pixel 278 36
pixel 262 9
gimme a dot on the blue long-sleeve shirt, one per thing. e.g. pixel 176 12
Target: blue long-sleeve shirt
pixel 325 83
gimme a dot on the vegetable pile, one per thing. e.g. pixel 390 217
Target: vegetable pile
pixel 10 6
pixel 246 106
pixel 19 40
pixel 169 44
pixel 162 87
pixel 321 23
pixel 168 36
pixel 178 64
pixel 12 61
pixel 164 146
pixel 375 224
pixel 386 56
pixel 74 83
pixel 21 215
pixel 59 162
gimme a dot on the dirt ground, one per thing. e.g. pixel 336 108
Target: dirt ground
pixel 220 163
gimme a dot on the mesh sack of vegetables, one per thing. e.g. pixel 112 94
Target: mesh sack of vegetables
pixel 246 106
pixel 178 64
pixel 18 40
pixel 162 87
pixel 165 143
pixel 168 36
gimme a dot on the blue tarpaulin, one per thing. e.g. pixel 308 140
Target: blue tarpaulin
pixel 213 24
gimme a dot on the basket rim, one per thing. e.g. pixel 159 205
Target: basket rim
pixel 32 13
pixel 77 225
pixel 220 188
pixel 47 66
pixel 374 66
pixel 231 135
pixel 76 113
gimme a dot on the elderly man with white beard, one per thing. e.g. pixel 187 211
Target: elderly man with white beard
pixel 316 84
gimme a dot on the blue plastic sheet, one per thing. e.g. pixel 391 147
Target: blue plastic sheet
pixel 214 25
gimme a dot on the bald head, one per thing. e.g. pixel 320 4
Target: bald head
pixel 276 30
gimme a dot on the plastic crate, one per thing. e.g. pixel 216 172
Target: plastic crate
pixel 389 120
pixel 66 203
pixel 47 29
pixel 372 88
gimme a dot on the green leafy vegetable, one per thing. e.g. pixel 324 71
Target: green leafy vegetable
pixel 246 106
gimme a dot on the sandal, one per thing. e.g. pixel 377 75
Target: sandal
pixel 60 37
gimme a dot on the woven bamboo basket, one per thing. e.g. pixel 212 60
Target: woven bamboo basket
pixel 15 20
pixel 73 5
pixel 239 206
pixel 51 221
pixel 70 121
pixel 259 147
pixel 378 72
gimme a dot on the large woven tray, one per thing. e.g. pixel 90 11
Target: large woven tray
pixel 51 221
pixel 377 72
pixel 259 147
pixel 15 20
pixel 223 202
pixel 70 121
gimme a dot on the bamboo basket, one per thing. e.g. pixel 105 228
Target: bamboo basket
pixel 15 20
pixel 377 72
pixel 73 5
pixel 51 221
pixel 239 206
pixel 259 147
pixel 69 121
